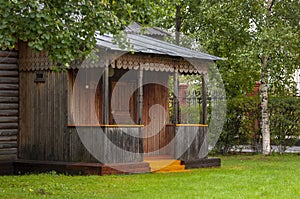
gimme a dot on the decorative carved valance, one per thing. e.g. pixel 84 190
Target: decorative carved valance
pixel 31 61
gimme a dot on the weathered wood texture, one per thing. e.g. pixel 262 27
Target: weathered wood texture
pixel 43 117
pixel 107 144
pixel 155 111
pixel 44 134
pixel 85 97
pixel 190 143
pixel 123 97
pixel 9 105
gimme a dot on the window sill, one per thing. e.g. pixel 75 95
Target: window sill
pixel 107 125
pixel 187 125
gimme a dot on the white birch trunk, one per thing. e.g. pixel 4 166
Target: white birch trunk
pixel 264 106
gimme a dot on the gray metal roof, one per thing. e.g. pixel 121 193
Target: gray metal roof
pixel 146 44
pixel 136 28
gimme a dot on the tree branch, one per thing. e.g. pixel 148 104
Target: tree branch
pixel 270 5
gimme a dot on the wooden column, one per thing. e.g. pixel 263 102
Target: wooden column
pixel 175 98
pixel 204 99
pixel 176 112
pixel 105 104
pixel 140 96
pixel 140 110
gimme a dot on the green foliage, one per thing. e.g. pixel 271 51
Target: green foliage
pixel 66 29
pixel 190 114
pixel 242 125
pixel 285 120
pixel 240 31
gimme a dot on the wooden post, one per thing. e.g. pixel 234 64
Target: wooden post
pixel 204 98
pixel 140 96
pixel 176 112
pixel 175 98
pixel 140 110
pixel 105 107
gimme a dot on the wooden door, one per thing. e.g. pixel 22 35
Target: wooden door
pixel 155 112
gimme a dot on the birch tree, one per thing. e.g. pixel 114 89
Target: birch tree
pixel 259 38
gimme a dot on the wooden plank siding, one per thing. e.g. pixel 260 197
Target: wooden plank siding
pixel 84 89
pixel 109 144
pixel 43 116
pixel 44 131
pixel 191 139
pixel 9 106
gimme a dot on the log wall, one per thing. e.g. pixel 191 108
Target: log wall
pixel 9 107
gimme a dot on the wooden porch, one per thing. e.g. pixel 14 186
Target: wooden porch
pixel 52 107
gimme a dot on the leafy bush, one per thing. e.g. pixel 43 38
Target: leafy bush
pixel 284 121
pixel 243 123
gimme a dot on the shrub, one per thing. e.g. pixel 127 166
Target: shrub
pixel 242 126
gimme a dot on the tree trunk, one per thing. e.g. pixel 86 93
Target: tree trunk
pixel 265 123
pixel 178 24
pixel 264 106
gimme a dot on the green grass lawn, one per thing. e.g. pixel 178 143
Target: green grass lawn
pixel 239 177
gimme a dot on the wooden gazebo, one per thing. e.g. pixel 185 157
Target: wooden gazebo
pixel 97 117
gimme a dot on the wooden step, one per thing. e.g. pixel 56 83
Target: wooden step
pixel 165 165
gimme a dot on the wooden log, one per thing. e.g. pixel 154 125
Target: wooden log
pixel 6 106
pixel 9 99
pixel 9 113
pixel 8 138
pixel 14 119
pixel 8 125
pixel 8 66
pixel 8 54
pixel 7 73
pixel 9 86
pixel 9 93
pixel 9 80
pixel 8 132
pixel 8 151
pixel 8 60
pixel 8 144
